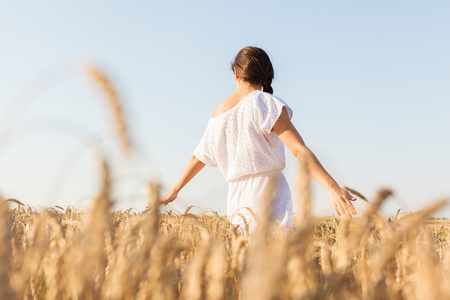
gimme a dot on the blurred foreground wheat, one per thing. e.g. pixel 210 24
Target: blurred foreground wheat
pixel 65 253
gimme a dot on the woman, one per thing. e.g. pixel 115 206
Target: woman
pixel 245 138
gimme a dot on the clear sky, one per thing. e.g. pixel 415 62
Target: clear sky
pixel 368 82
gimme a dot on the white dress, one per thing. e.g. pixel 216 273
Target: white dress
pixel 242 144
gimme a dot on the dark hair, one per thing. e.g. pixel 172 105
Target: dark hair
pixel 253 65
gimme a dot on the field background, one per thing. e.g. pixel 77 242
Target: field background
pixel 67 253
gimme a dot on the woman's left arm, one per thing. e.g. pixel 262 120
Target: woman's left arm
pixel 193 166
pixel 340 198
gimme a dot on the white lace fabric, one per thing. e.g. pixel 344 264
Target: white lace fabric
pixel 242 144
pixel 240 141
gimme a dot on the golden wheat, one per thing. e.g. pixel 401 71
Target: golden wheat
pixel 72 253
pixel 115 106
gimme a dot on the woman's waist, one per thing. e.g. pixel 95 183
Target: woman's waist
pixel 255 175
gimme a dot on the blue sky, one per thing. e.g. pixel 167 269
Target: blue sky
pixel 368 83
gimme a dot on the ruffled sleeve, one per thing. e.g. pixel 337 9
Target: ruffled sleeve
pixel 203 150
pixel 268 110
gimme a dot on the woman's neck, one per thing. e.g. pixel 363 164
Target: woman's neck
pixel 243 87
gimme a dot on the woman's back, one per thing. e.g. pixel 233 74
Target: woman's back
pixel 240 141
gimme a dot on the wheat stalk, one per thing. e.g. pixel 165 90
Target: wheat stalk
pixel 115 106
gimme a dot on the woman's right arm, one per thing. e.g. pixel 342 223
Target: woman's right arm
pixel 193 166
pixel 339 197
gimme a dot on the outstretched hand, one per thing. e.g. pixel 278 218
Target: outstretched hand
pixel 166 199
pixel 341 200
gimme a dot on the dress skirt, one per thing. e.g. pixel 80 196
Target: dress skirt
pixel 248 191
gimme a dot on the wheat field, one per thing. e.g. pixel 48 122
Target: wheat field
pixel 69 253
pixel 98 253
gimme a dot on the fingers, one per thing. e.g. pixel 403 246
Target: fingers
pixel 347 199
pixel 165 201
pixel 161 202
pixel 351 207
pixel 341 209
pixel 349 196
pixel 343 206
pixel 336 209
pixel 344 209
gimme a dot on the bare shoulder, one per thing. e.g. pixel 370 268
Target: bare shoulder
pixel 225 105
